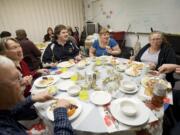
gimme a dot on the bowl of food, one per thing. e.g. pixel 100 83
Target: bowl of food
pixel 74 90
pixel 128 108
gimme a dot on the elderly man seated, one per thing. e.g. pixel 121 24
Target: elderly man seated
pixel 14 107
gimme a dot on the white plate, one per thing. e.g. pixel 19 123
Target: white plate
pixel 50 114
pixel 128 92
pixel 66 64
pixel 64 85
pixel 37 81
pixel 100 97
pixel 67 75
pixel 141 117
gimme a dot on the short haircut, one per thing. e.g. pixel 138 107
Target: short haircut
pixel 5 34
pixel 21 34
pixel 103 31
pixel 58 29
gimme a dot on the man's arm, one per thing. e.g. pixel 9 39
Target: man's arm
pixel 24 109
pixel 62 125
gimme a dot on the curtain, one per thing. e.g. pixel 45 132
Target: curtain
pixel 36 15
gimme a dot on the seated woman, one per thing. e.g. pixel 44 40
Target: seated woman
pixel 49 36
pixel 157 52
pixel 12 49
pixel 61 49
pixel 104 45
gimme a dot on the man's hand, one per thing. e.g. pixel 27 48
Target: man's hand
pixel 63 103
pixel 42 96
pixel 167 68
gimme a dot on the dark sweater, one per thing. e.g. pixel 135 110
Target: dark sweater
pixel 166 55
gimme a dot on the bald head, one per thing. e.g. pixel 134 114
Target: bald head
pixel 5 65
pixel 9 83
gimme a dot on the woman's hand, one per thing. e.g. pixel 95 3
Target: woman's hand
pixel 152 66
pixel 43 71
pixel 109 51
pixel 167 68
pixel 27 80
pixel 178 70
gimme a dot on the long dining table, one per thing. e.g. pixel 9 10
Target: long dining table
pixel 93 118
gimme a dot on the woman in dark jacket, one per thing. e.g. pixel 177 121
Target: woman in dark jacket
pixel 157 53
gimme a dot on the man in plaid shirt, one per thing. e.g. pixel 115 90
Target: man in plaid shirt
pixel 14 108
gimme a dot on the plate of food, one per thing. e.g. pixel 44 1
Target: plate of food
pixel 66 64
pixel 73 111
pixel 133 72
pixel 148 83
pixel 46 81
pixel 66 75
pixel 82 64
pixel 130 111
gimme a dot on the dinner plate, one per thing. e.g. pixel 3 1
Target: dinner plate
pixel 65 64
pixel 67 75
pixel 100 97
pixel 129 72
pixel 37 82
pixel 127 91
pixel 64 85
pixel 140 118
pixel 74 101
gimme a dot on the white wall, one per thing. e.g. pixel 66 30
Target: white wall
pixel 162 15
pixel 36 15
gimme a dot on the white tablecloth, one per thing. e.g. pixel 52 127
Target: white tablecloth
pixel 91 118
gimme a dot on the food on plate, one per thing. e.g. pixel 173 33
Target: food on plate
pixel 153 73
pixel 46 80
pixel 108 47
pixel 70 110
pixel 135 64
pixel 133 71
pixel 52 90
pixel 71 61
pixel 149 83
pixel 81 64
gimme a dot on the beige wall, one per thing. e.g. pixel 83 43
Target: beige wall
pixel 36 15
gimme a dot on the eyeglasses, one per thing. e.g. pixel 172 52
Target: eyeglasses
pixel 156 39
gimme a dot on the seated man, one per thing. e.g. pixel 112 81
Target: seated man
pixel 13 107
pixel 61 49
